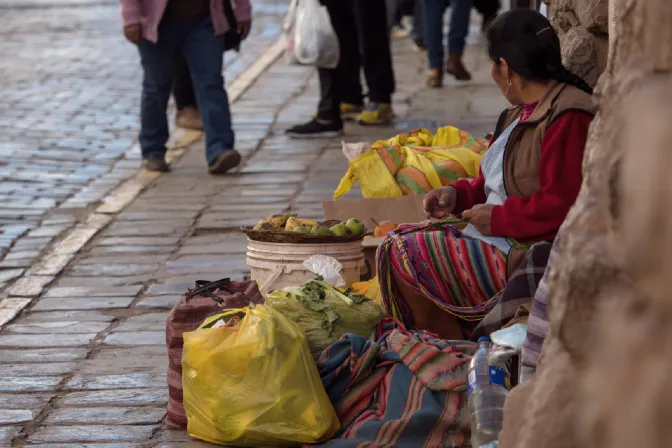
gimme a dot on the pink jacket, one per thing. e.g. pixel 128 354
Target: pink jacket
pixel 150 12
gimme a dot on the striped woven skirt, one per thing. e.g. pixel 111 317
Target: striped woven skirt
pixel 461 275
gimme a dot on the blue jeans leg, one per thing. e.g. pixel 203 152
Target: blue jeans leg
pixel 204 53
pixel 433 12
pixel 158 64
pixel 459 26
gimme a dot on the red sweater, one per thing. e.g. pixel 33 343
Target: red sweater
pixel 539 216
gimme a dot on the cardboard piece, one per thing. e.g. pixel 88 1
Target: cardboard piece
pixel 399 210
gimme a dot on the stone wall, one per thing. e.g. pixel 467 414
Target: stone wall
pixel 604 379
pixel 583 27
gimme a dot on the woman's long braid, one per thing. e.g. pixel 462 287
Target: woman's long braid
pixel 568 77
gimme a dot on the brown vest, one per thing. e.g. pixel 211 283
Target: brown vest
pixel 523 150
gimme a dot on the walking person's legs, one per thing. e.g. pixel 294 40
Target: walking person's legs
pixel 158 64
pixel 418 34
pixel 457 39
pixel 433 12
pixel 188 115
pixel 337 85
pixel 377 61
pixel 204 53
pixel 350 92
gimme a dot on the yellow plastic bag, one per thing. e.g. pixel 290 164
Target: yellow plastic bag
pixel 414 163
pixel 254 383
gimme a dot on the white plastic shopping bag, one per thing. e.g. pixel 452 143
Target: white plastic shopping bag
pixel 313 39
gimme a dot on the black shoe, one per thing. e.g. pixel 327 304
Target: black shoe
pixel 315 129
pixel 225 162
pixel 155 163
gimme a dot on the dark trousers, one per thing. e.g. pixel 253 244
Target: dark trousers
pixel 457 33
pixel 361 27
pixel 203 51
pixel 183 86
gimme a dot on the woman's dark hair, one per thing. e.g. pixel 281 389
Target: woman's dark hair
pixel 526 40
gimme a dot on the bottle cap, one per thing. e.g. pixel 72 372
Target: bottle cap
pixel 484 339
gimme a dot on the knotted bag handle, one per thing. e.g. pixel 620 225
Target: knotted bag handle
pixel 205 288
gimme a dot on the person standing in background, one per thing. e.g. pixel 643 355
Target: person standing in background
pixel 363 35
pixel 457 39
pixel 163 30
pixel 188 116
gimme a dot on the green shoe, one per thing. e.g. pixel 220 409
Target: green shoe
pixel 349 112
pixel 376 114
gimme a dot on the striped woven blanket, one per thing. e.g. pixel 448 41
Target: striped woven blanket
pixel 406 389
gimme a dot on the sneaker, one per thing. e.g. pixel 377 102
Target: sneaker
pixel 315 129
pixel 376 114
pixel 189 118
pixel 224 162
pixel 349 111
pixel 156 164
pixel 435 78
pixel 455 67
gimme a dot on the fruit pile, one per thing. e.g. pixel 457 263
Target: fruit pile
pixel 291 223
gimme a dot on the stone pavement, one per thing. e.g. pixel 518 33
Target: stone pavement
pixel 69 114
pixel 84 365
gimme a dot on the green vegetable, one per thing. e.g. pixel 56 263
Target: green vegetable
pixel 325 313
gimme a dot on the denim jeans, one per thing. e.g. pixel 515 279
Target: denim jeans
pixel 204 53
pixel 457 34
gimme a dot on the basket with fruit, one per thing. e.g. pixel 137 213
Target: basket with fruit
pixel 288 228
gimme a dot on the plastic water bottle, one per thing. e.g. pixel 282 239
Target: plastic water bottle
pixel 488 384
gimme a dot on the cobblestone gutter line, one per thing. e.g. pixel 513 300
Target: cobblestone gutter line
pixel 45 270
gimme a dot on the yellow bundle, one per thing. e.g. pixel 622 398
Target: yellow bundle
pixel 253 382
pixel 414 163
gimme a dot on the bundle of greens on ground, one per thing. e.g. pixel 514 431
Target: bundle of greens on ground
pixel 325 312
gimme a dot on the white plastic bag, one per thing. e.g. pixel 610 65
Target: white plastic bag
pixel 314 39
pixel 327 267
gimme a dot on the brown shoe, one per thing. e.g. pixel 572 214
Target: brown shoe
pixel 225 161
pixel 156 164
pixel 434 78
pixel 189 118
pixel 455 67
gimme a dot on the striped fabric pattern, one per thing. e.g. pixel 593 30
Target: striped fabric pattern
pixel 538 324
pixel 406 389
pixel 413 180
pixel 459 274
pixel 515 302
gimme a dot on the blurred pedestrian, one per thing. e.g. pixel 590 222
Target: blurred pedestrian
pixel 488 9
pixel 363 36
pixel 188 116
pixel 434 11
pixel 164 29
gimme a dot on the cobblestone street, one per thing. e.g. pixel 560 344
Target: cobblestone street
pixel 94 253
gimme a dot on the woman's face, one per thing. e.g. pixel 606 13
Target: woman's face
pixel 504 78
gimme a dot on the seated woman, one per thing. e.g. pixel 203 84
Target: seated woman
pixel 530 177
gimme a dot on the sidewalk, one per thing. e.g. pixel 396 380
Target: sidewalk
pixel 85 365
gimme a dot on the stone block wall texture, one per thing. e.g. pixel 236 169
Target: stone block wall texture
pixel 604 379
pixel 583 27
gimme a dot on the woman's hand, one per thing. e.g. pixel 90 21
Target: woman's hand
pixel 441 202
pixel 244 27
pixel 480 217
pixel 133 33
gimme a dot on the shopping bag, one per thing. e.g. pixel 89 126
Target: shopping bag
pixel 314 40
pixel 197 303
pixel 249 380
